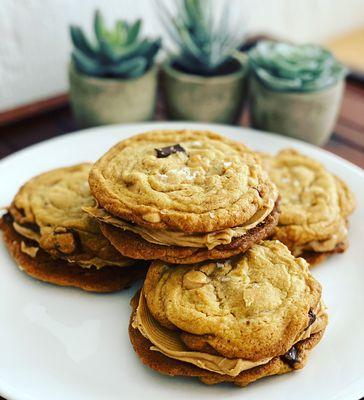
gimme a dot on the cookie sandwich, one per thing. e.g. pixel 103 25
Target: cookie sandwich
pixel 182 197
pixel 314 204
pixel 238 320
pixel 52 239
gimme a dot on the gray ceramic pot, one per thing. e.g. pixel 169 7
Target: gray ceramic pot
pixel 100 101
pixel 198 98
pixel 308 116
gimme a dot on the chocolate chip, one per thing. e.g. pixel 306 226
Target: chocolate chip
pixel 8 218
pixel 20 211
pixel 291 357
pixel 167 151
pixel 312 317
pixel 77 238
pixel 33 227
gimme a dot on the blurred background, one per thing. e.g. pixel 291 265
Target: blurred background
pixel 35 52
pixel 35 45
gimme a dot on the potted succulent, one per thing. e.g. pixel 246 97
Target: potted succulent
pixel 295 90
pixel 113 78
pixel 203 78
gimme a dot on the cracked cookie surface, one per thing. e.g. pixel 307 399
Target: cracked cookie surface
pixel 252 306
pixel 211 184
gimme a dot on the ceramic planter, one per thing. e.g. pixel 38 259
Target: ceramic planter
pixel 308 116
pixel 99 101
pixel 198 98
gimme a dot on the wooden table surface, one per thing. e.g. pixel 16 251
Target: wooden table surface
pixel 347 140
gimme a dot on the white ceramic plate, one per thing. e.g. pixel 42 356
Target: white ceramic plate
pixel 60 343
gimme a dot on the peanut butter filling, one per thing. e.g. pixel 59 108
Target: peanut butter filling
pixel 173 238
pixel 169 343
pixel 32 250
pixel 26 232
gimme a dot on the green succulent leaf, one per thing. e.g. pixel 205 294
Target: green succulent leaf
pixel 204 40
pixel 99 25
pixel 141 49
pixel 86 64
pixel 119 52
pixel 133 32
pixel 81 42
pixel 288 67
pixel 130 68
pixel 121 33
pixel 108 54
pixel 153 48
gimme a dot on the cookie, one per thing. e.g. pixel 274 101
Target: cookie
pixel 132 245
pixel 43 267
pixel 315 205
pixel 169 366
pixel 52 239
pixel 236 320
pixel 48 210
pixel 314 257
pixel 181 193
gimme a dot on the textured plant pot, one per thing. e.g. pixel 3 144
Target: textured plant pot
pixel 100 101
pixel 208 99
pixel 309 116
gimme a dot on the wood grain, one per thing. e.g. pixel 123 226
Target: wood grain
pixel 347 141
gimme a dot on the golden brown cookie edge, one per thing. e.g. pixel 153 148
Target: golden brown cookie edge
pixel 315 258
pixel 83 241
pixel 133 246
pixel 167 366
pixel 62 273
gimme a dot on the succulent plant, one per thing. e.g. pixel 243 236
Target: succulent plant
pixel 205 41
pixel 288 67
pixel 119 53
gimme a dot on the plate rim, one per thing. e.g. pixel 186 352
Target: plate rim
pixel 188 125
pixel 9 391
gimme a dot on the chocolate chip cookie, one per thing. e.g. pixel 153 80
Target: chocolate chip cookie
pixel 182 196
pixel 235 320
pixel 47 226
pixel 37 263
pixel 315 205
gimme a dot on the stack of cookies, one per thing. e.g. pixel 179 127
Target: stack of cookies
pixel 54 240
pixel 254 315
pixel 314 204
pixel 205 197
pixel 238 308
pixel 208 222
